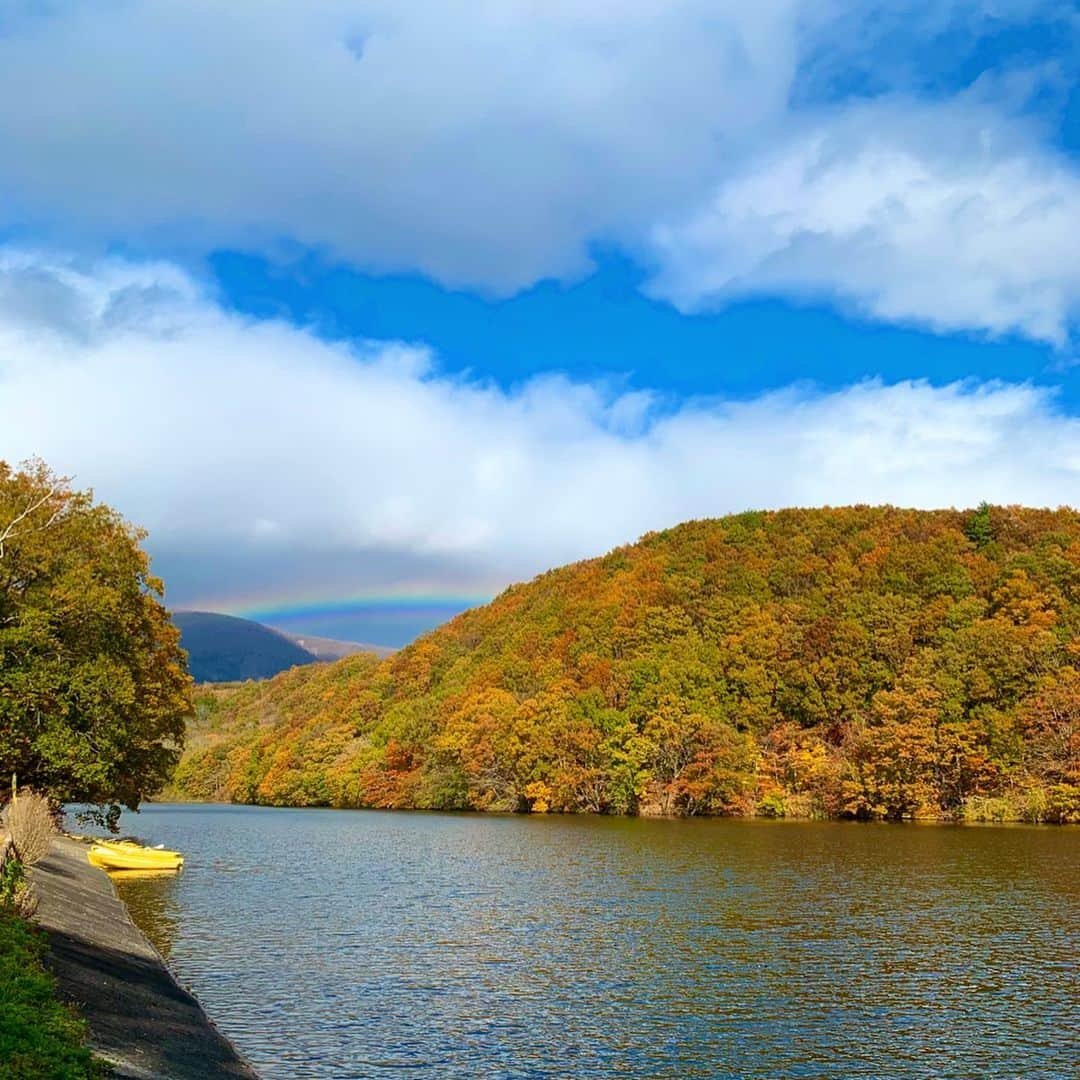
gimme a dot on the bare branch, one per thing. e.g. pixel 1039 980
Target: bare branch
pixel 10 530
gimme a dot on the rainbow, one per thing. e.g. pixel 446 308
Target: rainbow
pixel 414 603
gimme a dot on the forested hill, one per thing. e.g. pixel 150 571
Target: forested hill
pixel 871 662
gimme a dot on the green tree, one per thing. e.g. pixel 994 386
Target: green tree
pixel 979 527
pixel 93 683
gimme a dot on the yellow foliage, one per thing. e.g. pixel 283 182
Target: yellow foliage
pixel 865 661
pixel 539 795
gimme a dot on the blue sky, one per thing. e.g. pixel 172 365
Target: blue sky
pixel 604 327
pixel 366 309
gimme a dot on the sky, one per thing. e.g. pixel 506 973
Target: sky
pixel 367 309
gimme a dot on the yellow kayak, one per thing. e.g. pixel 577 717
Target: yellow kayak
pixel 124 855
pixel 132 845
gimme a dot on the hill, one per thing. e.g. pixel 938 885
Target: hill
pixel 223 648
pixel 866 662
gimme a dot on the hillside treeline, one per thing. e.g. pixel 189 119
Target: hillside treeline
pixel 864 662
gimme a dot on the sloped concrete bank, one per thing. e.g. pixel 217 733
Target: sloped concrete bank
pixel 141 1021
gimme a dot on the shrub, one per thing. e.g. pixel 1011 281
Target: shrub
pixel 1063 804
pixel 1033 805
pixel 773 805
pixel 17 896
pixel 29 821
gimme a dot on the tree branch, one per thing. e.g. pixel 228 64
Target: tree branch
pixel 9 531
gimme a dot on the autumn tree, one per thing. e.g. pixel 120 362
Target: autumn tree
pixel 1050 723
pixel 93 685
pixel 892 757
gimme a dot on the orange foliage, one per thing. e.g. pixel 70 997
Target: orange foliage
pixel 866 661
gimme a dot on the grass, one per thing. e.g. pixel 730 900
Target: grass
pixel 40 1037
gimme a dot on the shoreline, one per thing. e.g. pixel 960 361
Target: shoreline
pixel 142 1023
pixel 175 799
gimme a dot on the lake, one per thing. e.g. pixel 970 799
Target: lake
pixel 354 944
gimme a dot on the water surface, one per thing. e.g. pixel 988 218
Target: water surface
pixel 353 944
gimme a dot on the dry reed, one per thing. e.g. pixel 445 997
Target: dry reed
pixel 29 821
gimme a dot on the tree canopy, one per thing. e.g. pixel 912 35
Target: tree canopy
pixel 93 684
pixel 868 661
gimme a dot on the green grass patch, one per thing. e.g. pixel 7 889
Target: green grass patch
pixel 40 1037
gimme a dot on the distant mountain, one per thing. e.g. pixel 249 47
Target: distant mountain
pixel 223 648
pixel 323 648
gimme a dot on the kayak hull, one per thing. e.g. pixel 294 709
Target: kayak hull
pixel 132 857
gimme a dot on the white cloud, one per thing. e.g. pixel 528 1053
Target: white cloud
pixel 267 451
pixel 947 217
pixel 493 144
pixel 483 143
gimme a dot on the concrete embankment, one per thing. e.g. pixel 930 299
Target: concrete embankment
pixel 141 1021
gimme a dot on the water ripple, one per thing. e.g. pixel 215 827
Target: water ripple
pixel 340 944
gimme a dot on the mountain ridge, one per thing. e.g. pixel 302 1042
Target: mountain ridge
pixel 227 648
pixel 858 661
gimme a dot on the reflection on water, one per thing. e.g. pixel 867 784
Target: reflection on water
pixel 353 944
pixel 150 896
